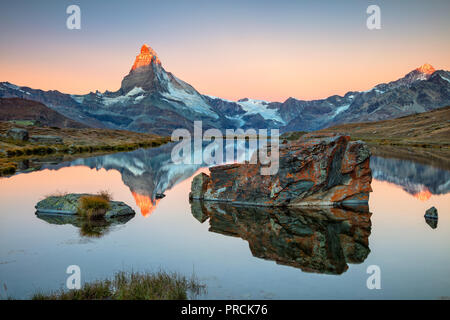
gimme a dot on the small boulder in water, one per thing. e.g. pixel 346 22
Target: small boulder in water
pixel 69 204
pixel 431 222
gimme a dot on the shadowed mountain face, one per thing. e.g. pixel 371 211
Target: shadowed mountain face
pixel 28 110
pixel 151 99
pixel 420 180
pixel 315 240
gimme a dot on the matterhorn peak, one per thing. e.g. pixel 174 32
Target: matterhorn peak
pixel 145 58
pixel 426 68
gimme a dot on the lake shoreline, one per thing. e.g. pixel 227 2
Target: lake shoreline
pixel 79 142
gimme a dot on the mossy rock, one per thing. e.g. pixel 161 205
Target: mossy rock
pixel 69 204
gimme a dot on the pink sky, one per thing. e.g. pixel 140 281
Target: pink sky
pixel 302 50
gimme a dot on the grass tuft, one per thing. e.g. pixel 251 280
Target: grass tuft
pixel 105 194
pixel 57 193
pixel 94 228
pixel 93 207
pixel 132 286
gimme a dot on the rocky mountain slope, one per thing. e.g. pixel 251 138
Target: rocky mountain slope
pixel 151 99
pixel 17 109
pixel 423 129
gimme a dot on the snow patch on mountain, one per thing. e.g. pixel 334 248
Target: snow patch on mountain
pixel 446 79
pixel 238 119
pixel 78 99
pixel 341 109
pixel 214 97
pixel 127 98
pixel 14 87
pixel 139 98
pixel 11 86
pixel 190 99
pixel 110 101
pixel 135 91
pixel 254 106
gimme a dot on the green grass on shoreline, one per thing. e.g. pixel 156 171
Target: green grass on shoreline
pixel 74 142
pixel 10 157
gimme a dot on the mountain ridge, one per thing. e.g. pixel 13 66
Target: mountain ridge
pixel 151 99
pixel 18 109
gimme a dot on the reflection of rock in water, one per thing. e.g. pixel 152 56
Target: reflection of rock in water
pixel 431 217
pixel 319 240
pixel 420 180
pixel 431 222
pixel 88 228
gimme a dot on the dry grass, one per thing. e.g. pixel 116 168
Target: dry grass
pixel 132 286
pixel 105 194
pixel 76 141
pixel 93 207
pixel 83 137
pixel 94 228
pixel 292 135
pixel 57 193
pixel 429 129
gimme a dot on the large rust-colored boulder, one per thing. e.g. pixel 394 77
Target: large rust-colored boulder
pixel 314 170
pixel 321 240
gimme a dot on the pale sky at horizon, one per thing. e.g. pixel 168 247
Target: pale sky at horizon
pixel 268 50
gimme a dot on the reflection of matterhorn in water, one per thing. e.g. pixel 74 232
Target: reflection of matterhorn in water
pixel 422 181
pixel 148 172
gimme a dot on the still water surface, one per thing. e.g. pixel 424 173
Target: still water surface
pixel 237 253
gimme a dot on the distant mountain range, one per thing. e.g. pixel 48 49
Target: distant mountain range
pixel 151 99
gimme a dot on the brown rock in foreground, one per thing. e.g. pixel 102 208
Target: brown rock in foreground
pixel 314 170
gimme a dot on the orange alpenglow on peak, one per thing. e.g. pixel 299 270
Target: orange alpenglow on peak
pixel 144 203
pixel 426 68
pixel 423 195
pixel 145 58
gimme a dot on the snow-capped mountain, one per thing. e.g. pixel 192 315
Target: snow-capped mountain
pixel 151 99
pixel 248 113
pixel 421 90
